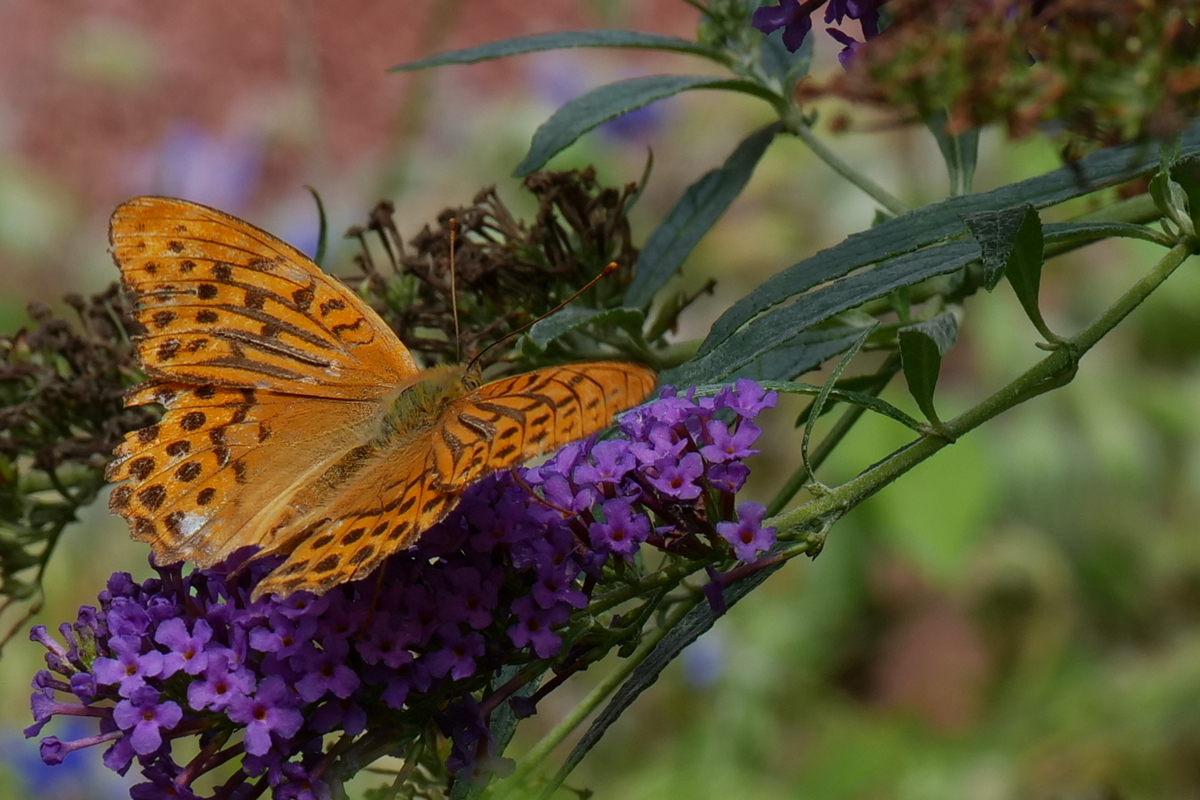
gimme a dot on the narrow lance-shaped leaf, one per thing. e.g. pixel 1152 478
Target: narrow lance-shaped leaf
pixel 819 401
pixel 797 355
pixel 996 232
pixel 924 226
pixel 959 151
pixel 1186 173
pixel 922 346
pixel 1024 267
pixel 780 326
pixel 701 205
pixel 322 229
pixel 585 112
pixel 560 41
pixel 571 318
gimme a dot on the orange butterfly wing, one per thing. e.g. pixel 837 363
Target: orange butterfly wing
pixel 270 371
pixel 227 304
pixel 501 423
pixel 215 474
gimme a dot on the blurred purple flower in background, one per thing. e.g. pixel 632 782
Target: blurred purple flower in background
pixel 221 170
pixel 559 78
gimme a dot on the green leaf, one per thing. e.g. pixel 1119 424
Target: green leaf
pixel 1024 268
pixel 693 625
pixel 823 395
pixel 1186 173
pixel 960 152
pixel 742 353
pixel 798 354
pixel 996 232
pixel 585 112
pixel 559 41
pixel 929 224
pixel 922 346
pixel 784 66
pixel 856 390
pixel 780 324
pixel 571 317
pixel 1163 191
pixel 322 230
pixel 690 218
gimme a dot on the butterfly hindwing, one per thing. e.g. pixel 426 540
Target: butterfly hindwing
pixel 513 419
pixel 381 513
pixel 214 474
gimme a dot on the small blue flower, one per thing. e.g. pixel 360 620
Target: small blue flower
pixel 678 480
pixel 727 445
pixel 622 530
pixel 187 650
pixel 130 668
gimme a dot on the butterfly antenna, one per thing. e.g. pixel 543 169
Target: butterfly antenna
pixel 608 270
pixel 454 291
pixel 521 481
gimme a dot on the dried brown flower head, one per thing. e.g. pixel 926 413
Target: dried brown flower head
pixel 1102 70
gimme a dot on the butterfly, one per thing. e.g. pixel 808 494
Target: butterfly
pixel 296 421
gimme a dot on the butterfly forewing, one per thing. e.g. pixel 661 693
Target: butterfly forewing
pixel 225 303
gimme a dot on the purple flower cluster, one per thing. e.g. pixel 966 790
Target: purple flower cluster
pixel 411 649
pixel 795 18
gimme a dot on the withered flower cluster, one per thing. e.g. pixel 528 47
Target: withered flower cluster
pixel 1105 71
pixel 505 272
pixel 61 414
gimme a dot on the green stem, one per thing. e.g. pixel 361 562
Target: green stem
pixel 1051 372
pixel 838 432
pixel 843 168
pixel 1139 209
pixel 1111 229
pixel 533 759
pixel 669 576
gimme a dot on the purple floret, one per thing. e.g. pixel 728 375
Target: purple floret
pixel 747 535
pixel 129 668
pixel 145 718
pixel 272 709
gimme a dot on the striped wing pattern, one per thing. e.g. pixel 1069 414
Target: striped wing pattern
pixel 500 424
pixel 227 304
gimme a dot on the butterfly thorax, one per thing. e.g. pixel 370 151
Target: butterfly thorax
pixel 417 404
